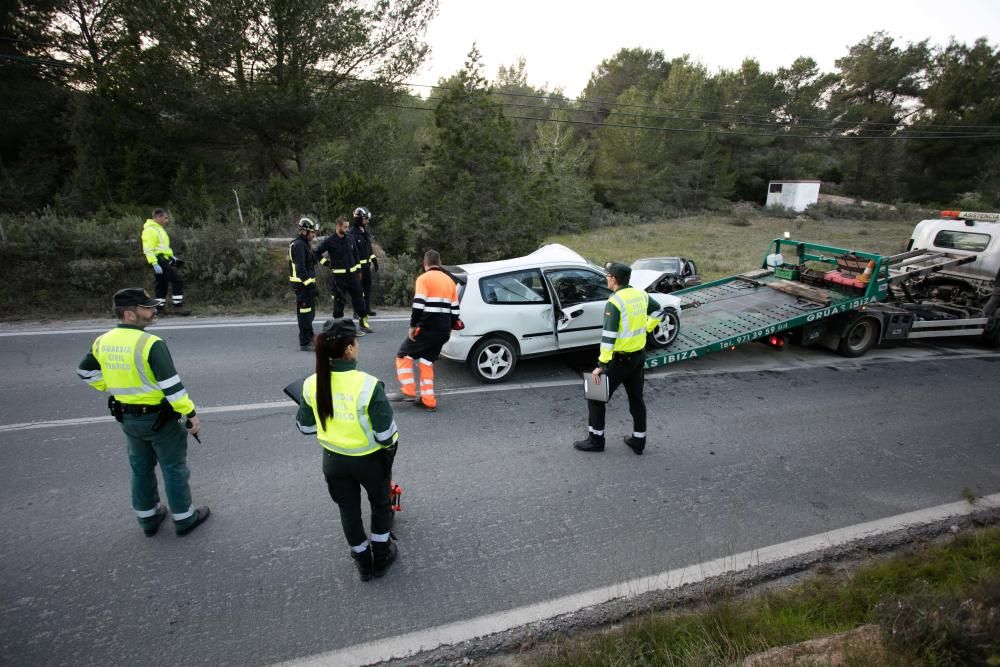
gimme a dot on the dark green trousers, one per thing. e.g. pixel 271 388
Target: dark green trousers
pixel 346 476
pixel 168 448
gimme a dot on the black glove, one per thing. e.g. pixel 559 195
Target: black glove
pixel 374 264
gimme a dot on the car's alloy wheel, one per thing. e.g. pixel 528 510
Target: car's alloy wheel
pixel 493 359
pixel 666 331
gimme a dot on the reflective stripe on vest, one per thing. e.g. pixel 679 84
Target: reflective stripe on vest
pixel 349 429
pixel 295 276
pixel 632 305
pixel 123 355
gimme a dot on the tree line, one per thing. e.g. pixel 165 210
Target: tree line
pixel 304 107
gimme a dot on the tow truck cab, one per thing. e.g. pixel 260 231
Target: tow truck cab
pixel 963 233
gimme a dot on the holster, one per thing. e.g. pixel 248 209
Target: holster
pixel 167 414
pixel 388 456
pixel 115 408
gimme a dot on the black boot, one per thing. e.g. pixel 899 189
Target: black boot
pixel 364 562
pixel 635 444
pixel 383 556
pixel 592 443
pixel 200 516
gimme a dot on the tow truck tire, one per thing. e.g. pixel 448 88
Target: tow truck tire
pixel 665 332
pixel 860 337
pixel 493 359
pixel 992 336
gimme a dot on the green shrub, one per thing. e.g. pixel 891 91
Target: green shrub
pixel 97 274
pixel 395 280
pixel 217 257
pixel 779 211
pixel 605 217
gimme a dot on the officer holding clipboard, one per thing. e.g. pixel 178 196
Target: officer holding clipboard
pixel 628 316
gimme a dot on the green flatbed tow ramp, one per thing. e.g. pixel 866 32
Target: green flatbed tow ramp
pixel 739 309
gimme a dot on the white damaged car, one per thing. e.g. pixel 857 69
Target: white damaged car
pixel 548 302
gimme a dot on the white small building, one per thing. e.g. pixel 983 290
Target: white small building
pixel 796 195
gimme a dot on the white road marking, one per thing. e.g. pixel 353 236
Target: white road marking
pixel 408 645
pixel 177 327
pixel 658 374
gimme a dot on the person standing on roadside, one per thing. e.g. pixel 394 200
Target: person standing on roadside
pixel 434 314
pixel 147 399
pixel 366 252
pixel 348 412
pixel 629 314
pixel 166 267
pixel 302 276
pixel 339 252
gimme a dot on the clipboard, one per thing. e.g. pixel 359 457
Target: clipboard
pixel 595 392
pixel 294 391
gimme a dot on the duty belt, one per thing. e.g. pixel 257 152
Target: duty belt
pixel 625 355
pixel 140 410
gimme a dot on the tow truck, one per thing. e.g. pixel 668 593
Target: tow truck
pixel 946 283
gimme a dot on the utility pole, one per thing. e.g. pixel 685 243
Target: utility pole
pixel 239 212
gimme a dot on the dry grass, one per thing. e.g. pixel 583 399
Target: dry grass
pixel 724 245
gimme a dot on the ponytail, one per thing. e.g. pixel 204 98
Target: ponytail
pixel 327 347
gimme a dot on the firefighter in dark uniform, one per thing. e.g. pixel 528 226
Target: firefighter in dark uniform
pixel 628 316
pixel 302 276
pixel 366 252
pixel 341 255
pixel 434 315
pixel 348 412
pixel 147 398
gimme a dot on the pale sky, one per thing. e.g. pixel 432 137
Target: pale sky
pixel 563 41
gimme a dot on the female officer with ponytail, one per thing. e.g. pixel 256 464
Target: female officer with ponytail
pixel 348 411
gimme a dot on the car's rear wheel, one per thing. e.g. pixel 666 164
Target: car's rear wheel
pixel 666 331
pixel 493 359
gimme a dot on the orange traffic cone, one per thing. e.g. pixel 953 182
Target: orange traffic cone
pixel 866 277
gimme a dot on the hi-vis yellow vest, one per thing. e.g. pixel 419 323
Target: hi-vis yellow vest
pixel 632 305
pixel 155 241
pixel 349 431
pixel 123 355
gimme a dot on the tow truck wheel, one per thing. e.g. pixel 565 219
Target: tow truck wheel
pixel 493 359
pixel 860 337
pixel 992 334
pixel 665 332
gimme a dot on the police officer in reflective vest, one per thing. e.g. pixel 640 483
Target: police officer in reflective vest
pixel 341 255
pixel 166 267
pixel 148 398
pixel 302 276
pixel 348 411
pixel 629 314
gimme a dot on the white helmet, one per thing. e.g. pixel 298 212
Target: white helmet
pixel 308 223
pixel 362 212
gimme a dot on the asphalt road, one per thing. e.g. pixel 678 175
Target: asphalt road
pixel 747 449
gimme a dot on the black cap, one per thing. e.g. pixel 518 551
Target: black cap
pixel 621 272
pixel 133 296
pixel 343 327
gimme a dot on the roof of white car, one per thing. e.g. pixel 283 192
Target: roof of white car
pixel 553 253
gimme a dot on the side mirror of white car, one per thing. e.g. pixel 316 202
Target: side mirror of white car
pixel 567 316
